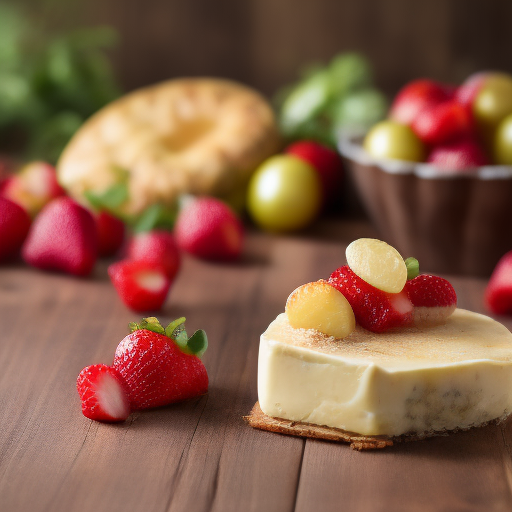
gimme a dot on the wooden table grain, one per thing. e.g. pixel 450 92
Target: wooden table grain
pixel 200 455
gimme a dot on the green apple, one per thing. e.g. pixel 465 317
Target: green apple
pixel 284 194
pixel 492 104
pixel 392 140
pixel 503 142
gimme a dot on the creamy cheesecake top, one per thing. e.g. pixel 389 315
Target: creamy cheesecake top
pixel 463 338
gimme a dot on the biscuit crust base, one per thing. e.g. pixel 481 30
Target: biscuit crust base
pixel 258 419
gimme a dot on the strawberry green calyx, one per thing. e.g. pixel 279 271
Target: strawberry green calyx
pixel 194 345
pixel 413 268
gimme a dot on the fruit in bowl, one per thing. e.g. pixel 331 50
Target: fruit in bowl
pixel 435 177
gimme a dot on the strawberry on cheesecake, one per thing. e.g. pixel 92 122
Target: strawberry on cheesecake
pixel 410 364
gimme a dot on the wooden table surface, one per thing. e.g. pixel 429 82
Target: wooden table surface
pixel 200 455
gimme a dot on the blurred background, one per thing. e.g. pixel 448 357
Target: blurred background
pixel 79 55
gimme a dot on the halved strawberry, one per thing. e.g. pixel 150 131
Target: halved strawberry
pixel 103 393
pixel 433 298
pixel 374 309
pixel 142 286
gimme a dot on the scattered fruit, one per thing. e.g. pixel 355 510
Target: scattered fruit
pixel 34 186
pixel 414 97
pixel 285 194
pixel 207 228
pixel 377 263
pixel 63 237
pixel 498 293
pixel 320 306
pixel 326 162
pixel 392 140
pixel 466 93
pixel 157 247
pixel 141 285
pixel 153 366
pixel 111 232
pixel 374 309
pixel 442 123
pixel 159 366
pixel 14 226
pixel 103 394
pixel 433 298
pixel 458 155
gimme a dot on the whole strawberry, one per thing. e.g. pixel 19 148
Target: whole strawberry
pixel 111 231
pixel 153 366
pixel 207 228
pixel 498 294
pixel 374 309
pixel 161 366
pixel 158 247
pixel 63 237
pixel 14 226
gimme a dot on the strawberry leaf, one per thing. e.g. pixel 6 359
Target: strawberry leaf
pixel 197 343
pixel 155 216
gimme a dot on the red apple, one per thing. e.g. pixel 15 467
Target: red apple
pixel 443 122
pixel 326 162
pixel 415 96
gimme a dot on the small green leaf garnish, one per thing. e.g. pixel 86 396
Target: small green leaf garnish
pixel 195 345
pixel 112 198
pixel 413 268
pixel 198 343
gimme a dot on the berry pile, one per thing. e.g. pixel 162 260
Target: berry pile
pixel 378 289
pixel 153 366
pixel 454 128
pixel 52 232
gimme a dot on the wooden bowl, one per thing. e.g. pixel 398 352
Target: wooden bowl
pixel 453 222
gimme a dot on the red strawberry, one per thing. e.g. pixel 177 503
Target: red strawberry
pixel 374 309
pixel 433 298
pixel 498 294
pixel 207 228
pixel 156 369
pixel 14 226
pixel 110 233
pixel 141 285
pixel 443 122
pixel 103 393
pixel 34 186
pixel 327 163
pixel 458 155
pixel 158 247
pixel 414 97
pixel 63 237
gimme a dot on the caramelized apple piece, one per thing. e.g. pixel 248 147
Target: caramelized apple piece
pixel 320 306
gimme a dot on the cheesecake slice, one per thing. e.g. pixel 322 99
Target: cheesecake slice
pixel 409 381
